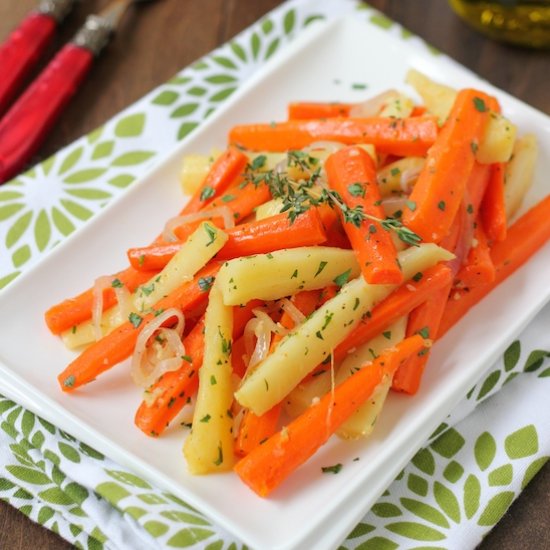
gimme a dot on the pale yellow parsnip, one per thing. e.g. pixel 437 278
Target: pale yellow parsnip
pixel 311 342
pixel 362 422
pixel 209 446
pixel 283 273
pixel 519 173
pixel 202 245
pixel 498 140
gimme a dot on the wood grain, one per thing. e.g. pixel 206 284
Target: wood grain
pixel 159 39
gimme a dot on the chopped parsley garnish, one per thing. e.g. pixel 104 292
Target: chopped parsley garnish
pixel 356 190
pixel 395 171
pixel 211 232
pixel 228 198
pixel 205 418
pixel 417 276
pixel 441 205
pixel 213 380
pixel 135 319
pixel 424 332
pixel 69 381
pixel 205 283
pixel 411 205
pixel 335 469
pixel 387 334
pixel 479 104
pixel 207 193
pixel 146 290
pixel 474 147
pixel 187 358
pixel 219 460
pixel 295 274
pixel 117 283
pixel 343 278
pixel 322 266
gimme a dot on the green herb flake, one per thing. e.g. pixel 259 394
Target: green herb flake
pixel 171 402
pixel 387 334
pixel 319 335
pixel 187 358
pixel 213 380
pixel 470 209
pixel 424 332
pixel 335 469
pixel 205 418
pixel 417 276
pixel 322 266
pixel 266 385
pixel 343 278
pixel 219 460
pixel 228 198
pixel 211 232
pixel 205 283
pixel 258 162
pixel 135 319
pixel 356 189
pixel 395 171
pixel 69 381
pixel 359 86
pixel 328 318
pixel 356 304
pixel 411 205
pixel 479 104
pixel 74 329
pixel 141 259
pixel 269 256
pixel 474 147
pixel 147 289
pixel 207 193
pixel 441 205
pixel 295 274
pixel 117 283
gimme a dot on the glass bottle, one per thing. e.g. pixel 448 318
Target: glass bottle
pixel 521 22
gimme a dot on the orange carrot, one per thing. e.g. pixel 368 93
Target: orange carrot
pixel 423 320
pixel 405 137
pixel 439 190
pixel 223 172
pixel 174 389
pixel 73 311
pixel 478 268
pixel 398 303
pixel 119 344
pixel 523 239
pixel 268 465
pixel 336 236
pixel 493 207
pixel 307 110
pixel 257 237
pixel 240 200
pixel 352 173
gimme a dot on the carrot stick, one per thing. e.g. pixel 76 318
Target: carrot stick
pixel 523 239
pixel 268 465
pixel 257 237
pixel 400 302
pixel 439 190
pixel 352 173
pixel 174 389
pixel 119 344
pixel 225 169
pixel 308 110
pixel 336 236
pixel 254 429
pixel 73 311
pixel 493 207
pixel 478 268
pixel 240 200
pixel 423 320
pixel 404 137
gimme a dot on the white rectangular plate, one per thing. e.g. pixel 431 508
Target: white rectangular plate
pixel 311 509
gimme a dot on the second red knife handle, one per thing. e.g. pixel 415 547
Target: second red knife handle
pixel 21 51
pixel 26 124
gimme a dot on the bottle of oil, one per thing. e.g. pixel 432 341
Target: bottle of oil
pixel 521 22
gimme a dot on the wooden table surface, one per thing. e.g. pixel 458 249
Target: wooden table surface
pixel 168 35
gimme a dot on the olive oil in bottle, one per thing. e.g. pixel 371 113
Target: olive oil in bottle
pixel 521 22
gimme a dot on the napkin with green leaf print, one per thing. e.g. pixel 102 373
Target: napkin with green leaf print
pixel 449 496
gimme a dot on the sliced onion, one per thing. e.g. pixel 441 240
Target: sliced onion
pixel 100 284
pixel 258 352
pixel 393 204
pixel 270 324
pixel 147 363
pixel 294 313
pixel 223 212
pixel 372 106
pixel 326 145
pixel 124 300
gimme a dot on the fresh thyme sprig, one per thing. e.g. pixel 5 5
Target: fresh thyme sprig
pixel 299 195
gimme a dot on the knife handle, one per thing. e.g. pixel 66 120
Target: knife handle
pixel 26 124
pixel 21 51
